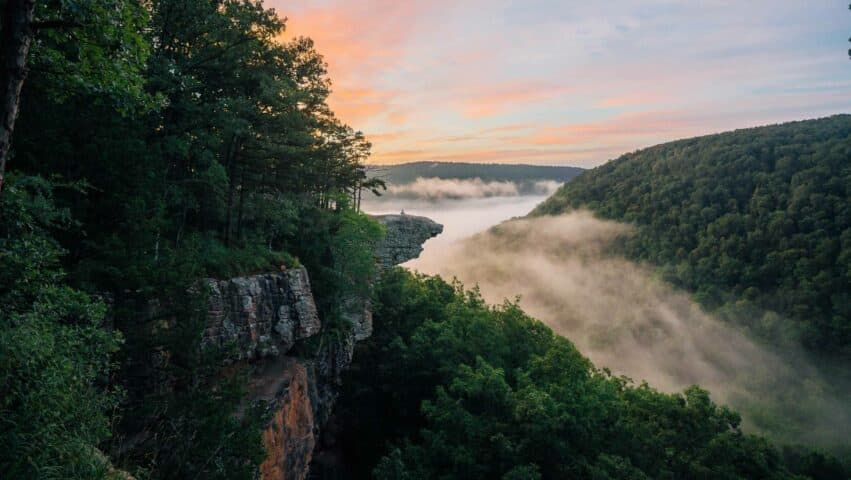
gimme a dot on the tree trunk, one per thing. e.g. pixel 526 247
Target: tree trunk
pixel 229 167
pixel 241 204
pixel 15 39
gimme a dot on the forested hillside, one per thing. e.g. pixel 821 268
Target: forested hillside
pixel 449 387
pixel 755 222
pixel 157 143
pixel 409 172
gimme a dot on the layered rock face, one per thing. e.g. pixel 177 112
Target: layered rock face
pixel 403 241
pixel 260 319
pixel 261 315
pixel 264 317
pixel 405 237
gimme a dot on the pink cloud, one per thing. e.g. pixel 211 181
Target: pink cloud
pixel 466 81
pixel 503 98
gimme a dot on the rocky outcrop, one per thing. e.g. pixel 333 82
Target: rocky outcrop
pixel 265 319
pixel 405 237
pixel 261 315
pixel 357 310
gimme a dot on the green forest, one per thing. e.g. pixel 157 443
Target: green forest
pixel 147 145
pixel 755 222
pixel 450 388
pixel 157 143
pixel 409 172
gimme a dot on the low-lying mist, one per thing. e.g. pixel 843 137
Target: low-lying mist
pixel 623 318
pixel 435 189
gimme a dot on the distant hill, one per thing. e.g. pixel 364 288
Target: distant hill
pixel 752 220
pixel 409 172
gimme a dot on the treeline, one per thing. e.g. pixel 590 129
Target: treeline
pixel 756 222
pixel 158 142
pixel 409 172
pixel 220 137
pixel 449 387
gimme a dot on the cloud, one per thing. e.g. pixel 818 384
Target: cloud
pixel 555 155
pixel 590 82
pixel 499 99
pixel 624 318
pixel 436 189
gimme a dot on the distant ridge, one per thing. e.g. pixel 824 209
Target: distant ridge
pixel 492 172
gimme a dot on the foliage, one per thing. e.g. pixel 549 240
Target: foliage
pixel 54 350
pixel 242 146
pixel 187 141
pixel 207 148
pixel 752 221
pixel 409 172
pixel 462 390
pixel 94 47
pixel 193 409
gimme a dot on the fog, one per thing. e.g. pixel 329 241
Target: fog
pixel 624 318
pixel 460 219
pixel 437 189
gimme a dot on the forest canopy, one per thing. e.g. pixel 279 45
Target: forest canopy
pixel 157 143
pixel 160 142
pixel 449 387
pixel 755 222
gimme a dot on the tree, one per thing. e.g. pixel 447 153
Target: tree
pixel 449 387
pixel 16 32
pixel 80 44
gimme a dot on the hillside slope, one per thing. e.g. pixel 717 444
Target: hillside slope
pixel 409 172
pixel 753 221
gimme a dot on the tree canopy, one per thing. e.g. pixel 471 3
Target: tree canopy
pixel 449 387
pixel 158 143
pixel 756 222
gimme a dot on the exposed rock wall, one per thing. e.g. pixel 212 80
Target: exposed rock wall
pixel 261 315
pixel 290 435
pixel 403 241
pixel 405 237
pixel 264 317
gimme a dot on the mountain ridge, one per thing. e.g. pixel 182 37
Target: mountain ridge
pixel 754 217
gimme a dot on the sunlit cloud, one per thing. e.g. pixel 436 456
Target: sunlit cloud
pixel 504 98
pixel 547 81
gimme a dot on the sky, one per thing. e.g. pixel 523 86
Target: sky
pixel 571 82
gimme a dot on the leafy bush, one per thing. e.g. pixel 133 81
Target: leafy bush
pixel 55 352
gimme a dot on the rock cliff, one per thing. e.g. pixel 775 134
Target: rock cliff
pixel 405 237
pixel 265 317
pixel 262 315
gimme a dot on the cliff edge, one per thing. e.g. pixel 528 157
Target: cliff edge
pixel 263 318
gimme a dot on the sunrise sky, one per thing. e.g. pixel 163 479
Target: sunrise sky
pixel 571 82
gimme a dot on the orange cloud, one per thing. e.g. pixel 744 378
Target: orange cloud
pixel 359 40
pixel 575 156
pixel 509 97
pixel 436 80
pixel 659 124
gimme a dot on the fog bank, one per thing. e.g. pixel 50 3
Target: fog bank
pixel 435 189
pixel 623 318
